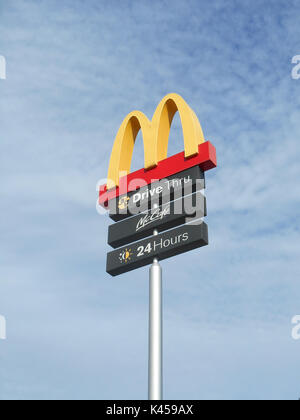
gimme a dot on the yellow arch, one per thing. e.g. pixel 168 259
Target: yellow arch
pixel 155 136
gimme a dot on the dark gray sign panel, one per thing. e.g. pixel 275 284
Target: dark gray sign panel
pixel 159 192
pixel 161 246
pixel 163 218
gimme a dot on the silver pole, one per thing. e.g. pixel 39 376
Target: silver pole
pixel 155 331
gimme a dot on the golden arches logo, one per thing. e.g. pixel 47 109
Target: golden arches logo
pixel 155 136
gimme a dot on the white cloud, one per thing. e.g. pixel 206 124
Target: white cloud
pixel 75 72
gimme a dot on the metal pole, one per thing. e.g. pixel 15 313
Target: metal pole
pixel 155 331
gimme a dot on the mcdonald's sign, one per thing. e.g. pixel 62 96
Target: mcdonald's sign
pixel 130 193
pixel 155 139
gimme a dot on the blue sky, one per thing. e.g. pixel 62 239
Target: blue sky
pixel 74 71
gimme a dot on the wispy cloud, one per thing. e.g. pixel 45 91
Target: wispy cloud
pixel 74 72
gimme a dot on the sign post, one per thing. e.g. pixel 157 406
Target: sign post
pixel 158 210
pixel 155 373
